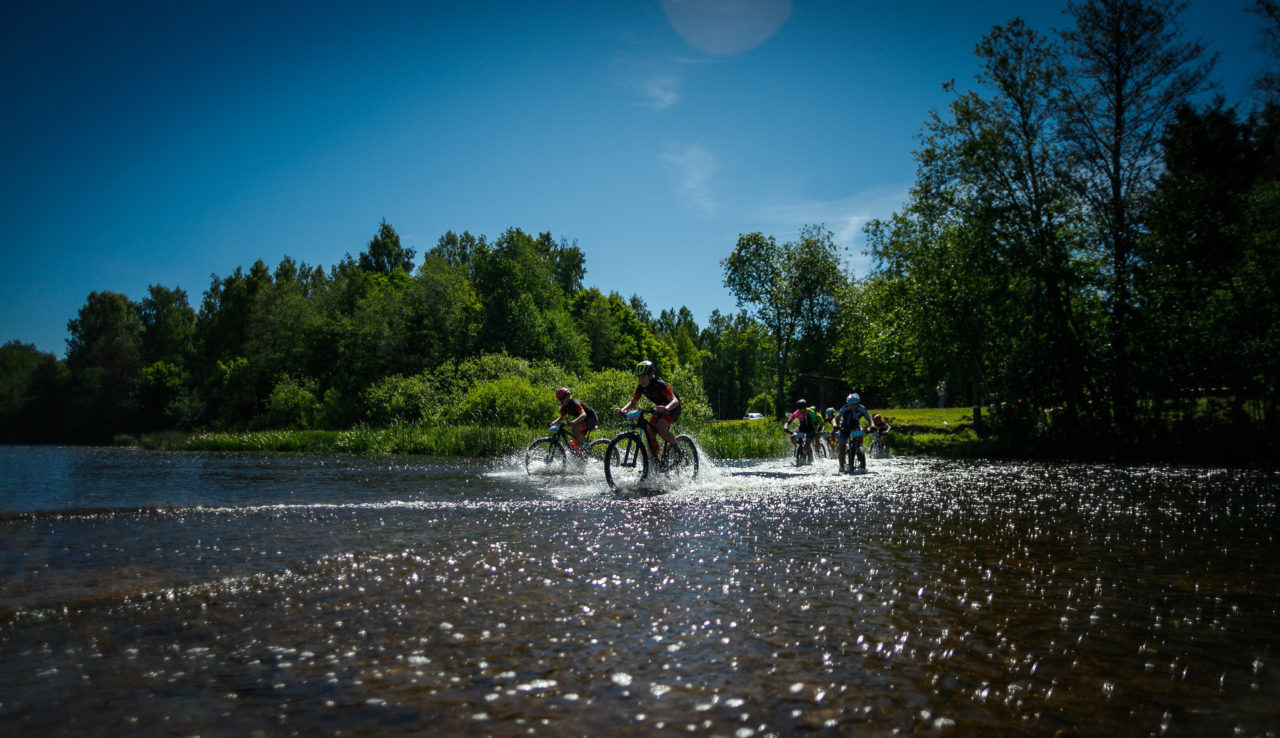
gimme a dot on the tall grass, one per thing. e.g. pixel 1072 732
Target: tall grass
pixel 449 440
pixel 741 439
pixel 934 432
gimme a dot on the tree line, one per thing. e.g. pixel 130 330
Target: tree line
pixel 1089 248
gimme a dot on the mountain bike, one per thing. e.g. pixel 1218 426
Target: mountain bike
pixel 628 458
pixel 551 454
pixel 820 450
pixel 879 445
pixel 797 440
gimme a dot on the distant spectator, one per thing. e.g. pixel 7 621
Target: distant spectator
pixel 942 394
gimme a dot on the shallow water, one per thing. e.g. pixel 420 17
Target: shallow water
pixel 152 593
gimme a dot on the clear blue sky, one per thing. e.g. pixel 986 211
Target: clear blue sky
pixel 163 142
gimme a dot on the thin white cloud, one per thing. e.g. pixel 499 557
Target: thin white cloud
pixel 659 93
pixel 845 217
pixel 693 165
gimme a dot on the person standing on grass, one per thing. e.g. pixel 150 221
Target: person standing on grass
pixel 942 394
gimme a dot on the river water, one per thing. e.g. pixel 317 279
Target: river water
pixel 151 593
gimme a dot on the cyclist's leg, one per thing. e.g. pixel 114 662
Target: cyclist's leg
pixel 578 431
pixel 663 424
pixel 651 436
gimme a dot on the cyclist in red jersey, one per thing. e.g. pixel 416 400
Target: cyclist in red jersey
pixel 666 404
pixel 580 416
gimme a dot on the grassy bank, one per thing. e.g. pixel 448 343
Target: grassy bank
pixel 461 441
pixel 934 432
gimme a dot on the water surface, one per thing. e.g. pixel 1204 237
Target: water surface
pixel 147 593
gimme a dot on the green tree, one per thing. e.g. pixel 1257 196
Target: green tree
pixel 31 395
pixel 784 286
pixel 757 273
pixel 736 366
pixel 385 254
pixel 1129 71
pixel 168 326
pixel 1268 80
pixel 104 356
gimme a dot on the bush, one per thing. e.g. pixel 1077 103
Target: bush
pixel 292 404
pixel 400 400
pixel 510 401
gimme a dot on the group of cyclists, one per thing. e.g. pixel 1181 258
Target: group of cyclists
pixel 845 432
pixel 845 424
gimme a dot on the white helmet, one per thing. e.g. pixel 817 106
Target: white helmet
pixel 852 399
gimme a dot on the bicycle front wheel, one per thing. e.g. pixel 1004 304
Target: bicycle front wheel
pixel 544 456
pixel 686 460
pixel 820 448
pixel 626 462
pixel 800 454
pixel 597 449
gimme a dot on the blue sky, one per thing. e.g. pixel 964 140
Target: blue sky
pixel 162 143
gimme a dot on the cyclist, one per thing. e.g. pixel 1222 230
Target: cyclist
pixel 829 428
pixel 582 419
pixel 881 427
pixel 666 405
pixel 810 422
pixel 847 419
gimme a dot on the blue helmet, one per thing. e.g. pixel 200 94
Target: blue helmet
pixel 852 399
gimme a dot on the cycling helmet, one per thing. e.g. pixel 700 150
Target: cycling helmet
pixel 829 412
pixel 644 367
pixel 562 393
pixel 801 404
pixel 852 399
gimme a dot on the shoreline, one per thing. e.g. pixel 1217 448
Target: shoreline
pixel 942 433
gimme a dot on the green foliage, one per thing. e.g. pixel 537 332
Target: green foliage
pixel 509 401
pixel 292 404
pixel 605 391
pixel 105 358
pixel 791 288
pixel 385 254
pixel 32 394
pixel 404 400
pixel 743 439
pixel 158 390
pixel 236 394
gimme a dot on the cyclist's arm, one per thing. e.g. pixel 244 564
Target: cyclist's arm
pixel 635 400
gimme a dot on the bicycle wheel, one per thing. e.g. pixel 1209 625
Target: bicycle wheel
pixel 626 462
pixel 685 463
pixel 820 448
pixel 799 453
pixel 597 449
pixel 544 457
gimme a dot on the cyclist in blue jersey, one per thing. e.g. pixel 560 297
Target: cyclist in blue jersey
pixel 847 419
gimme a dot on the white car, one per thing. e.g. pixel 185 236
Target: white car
pixel 754 416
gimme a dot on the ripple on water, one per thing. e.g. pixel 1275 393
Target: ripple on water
pixel 922 597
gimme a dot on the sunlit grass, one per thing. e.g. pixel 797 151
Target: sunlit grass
pixel 457 441
pixel 917 431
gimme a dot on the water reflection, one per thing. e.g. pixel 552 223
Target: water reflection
pixel 279 595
